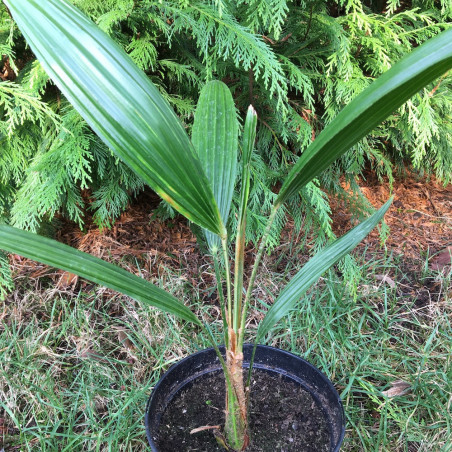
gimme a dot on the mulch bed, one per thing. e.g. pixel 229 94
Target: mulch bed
pixel 420 218
pixel 420 222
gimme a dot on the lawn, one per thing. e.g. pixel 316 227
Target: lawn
pixel 79 361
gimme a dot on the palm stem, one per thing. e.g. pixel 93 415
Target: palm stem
pixel 219 279
pixel 260 252
pixel 224 243
pixel 238 290
pixel 239 264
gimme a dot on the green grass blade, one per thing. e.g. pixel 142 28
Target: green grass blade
pixel 55 254
pixel 215 138
pixel 370 108
pixel 315 267
pixel 120 103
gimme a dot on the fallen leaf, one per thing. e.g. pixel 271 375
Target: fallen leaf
pixel 41 271
pixel 386 279
pixel 398 388
pixel 202 429
pixel 442 259
pixel 90 354
pixel 124 339
pixel 67 280
pixel 368 289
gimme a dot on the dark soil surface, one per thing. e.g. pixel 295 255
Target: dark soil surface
pixel 283 417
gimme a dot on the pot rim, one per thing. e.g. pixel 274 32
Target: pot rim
pixel 257 365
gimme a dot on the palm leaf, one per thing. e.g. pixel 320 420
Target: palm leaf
pixel 215 138
pixel 120 103
pixel 55 254
pixel 249 137
pixel 370 108
pixel 315 267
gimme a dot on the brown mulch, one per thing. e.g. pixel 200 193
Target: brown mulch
pixel 420 218
pixel 135 233
pixel 135 242
pixel 420 222
pixel 420 236
pixel 6 71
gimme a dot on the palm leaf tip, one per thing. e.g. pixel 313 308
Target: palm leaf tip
pixel 315 267
pixel 128 113
pixel 249 135
pixel 58 255
pixel 371 107
pixel 215 139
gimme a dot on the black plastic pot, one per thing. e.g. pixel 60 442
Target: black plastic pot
pixel 269 359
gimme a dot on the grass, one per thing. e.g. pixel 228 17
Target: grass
pixel 78 367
